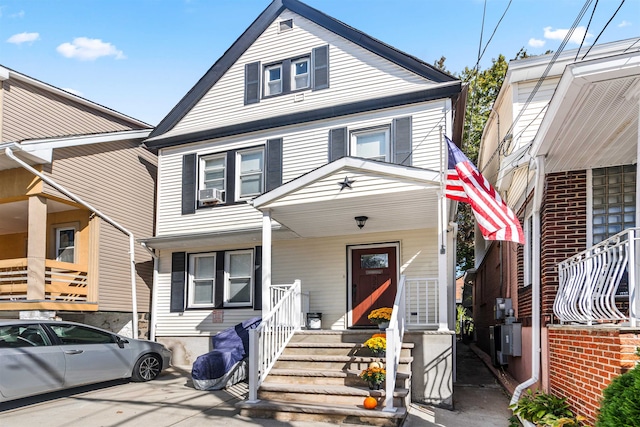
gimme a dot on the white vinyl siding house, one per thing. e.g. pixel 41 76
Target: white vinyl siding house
pixel 302 126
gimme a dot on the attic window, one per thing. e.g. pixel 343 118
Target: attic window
pixel 285 26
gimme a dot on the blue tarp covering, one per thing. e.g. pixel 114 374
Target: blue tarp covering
pixel 230 347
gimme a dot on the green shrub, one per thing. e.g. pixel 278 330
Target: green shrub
pixel 621 404
pixel 546 410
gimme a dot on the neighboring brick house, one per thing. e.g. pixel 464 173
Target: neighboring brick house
pixel 57 256
pixel 567 146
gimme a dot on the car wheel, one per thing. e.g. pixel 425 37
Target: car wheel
pixel 147 368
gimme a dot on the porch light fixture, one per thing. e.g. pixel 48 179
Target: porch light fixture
pixel 360 220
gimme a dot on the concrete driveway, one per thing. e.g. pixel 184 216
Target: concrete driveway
pixel 170 400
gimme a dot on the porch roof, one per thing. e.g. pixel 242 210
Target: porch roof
pixel 592 119
pixel 325 201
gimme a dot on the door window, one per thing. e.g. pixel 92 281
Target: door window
pixel 74 334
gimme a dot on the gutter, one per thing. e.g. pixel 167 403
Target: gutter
pixel 535 285
pixel 154 294
pixel 77 199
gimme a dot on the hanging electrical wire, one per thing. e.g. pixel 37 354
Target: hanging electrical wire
pixel 605 27
pixel 584 36
pixel 541 79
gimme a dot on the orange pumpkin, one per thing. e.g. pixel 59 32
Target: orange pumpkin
pixel 370 402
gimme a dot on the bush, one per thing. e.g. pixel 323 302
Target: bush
pixel 621 404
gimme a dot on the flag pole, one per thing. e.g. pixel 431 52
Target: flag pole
pixel 443 286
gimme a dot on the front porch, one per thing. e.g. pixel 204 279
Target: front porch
pixel 313 375
pixel 48 255
pixel 65 287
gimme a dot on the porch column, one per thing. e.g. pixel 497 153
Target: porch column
pixel 266 262
pixel 36 247
pixel 635 309
pixel 443 277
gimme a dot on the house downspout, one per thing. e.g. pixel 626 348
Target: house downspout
pixel 535 285
pixel 78 200
pixel 154 294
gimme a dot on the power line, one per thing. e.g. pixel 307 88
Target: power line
pixel 593 12
pixel 540 80
pixel 605 27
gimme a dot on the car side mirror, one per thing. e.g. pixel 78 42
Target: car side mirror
pixel 121 342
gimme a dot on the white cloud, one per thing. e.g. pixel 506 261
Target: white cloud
pixel 23 38
pixel 560 34
pixel 536 42
pixel 17 15
pixel 86 49
pixel 624 24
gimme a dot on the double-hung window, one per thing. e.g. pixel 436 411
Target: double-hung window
pixel 202 279
pixel 371 144
pixel 213 173
pixel 273 79
pixel 65 244
pixel 238 278
pixel 250 176
pixel 300 77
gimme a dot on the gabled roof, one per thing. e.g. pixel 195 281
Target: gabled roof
pixel 8 73
pixel 263 21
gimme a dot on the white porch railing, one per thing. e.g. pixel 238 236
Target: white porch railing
pixel 597 284
pixel 268 340
pixel 421 296
pixel 395 335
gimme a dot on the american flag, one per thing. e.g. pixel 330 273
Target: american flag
pixel 465 184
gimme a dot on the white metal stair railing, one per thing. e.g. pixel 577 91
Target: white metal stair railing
pixel 589 282
pixel 267 341
pixel 395 335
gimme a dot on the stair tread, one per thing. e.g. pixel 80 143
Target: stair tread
pixel 335 345
pixel 343 390
pixel 336 358
pixel 334 408
pixel 291 372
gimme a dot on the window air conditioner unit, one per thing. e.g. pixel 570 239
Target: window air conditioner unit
pixel 210 196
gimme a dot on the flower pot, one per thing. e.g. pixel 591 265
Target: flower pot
pixel 383 325
pixel 374 386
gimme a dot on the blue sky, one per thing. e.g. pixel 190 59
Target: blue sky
pixel 140 57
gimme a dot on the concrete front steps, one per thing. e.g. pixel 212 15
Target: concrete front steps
pixel 317 379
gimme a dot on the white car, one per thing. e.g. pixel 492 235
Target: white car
pixel 40 356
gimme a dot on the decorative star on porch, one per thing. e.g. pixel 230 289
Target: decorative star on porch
pixel 346 183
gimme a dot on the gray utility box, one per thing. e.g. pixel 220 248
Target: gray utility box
pixel 511 339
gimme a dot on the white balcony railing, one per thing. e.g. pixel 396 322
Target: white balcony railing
pixel 599 284
pixel 421 296
pixel 267 341
pixel 395 335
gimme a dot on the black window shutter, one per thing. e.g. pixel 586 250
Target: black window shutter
pixel 178 281
pixel 286 76
pixel 189 172
pixel 252 83
pixel 257 279
pixel 337 143
pixel 273 164
pixel 320 58
pixel 230 187
pixel 218 292
pixel 402 148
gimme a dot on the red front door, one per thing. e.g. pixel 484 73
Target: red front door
pixel 373 282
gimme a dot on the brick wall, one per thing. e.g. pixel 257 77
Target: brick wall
pixel 583 360
pixel 564 230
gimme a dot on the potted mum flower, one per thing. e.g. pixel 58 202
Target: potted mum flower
pixel 377 344
pixel 381 316
pixel 374 377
